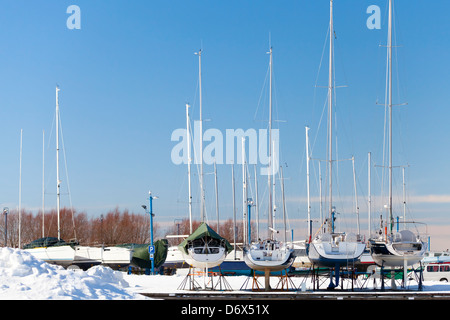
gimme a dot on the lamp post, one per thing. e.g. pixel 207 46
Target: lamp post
pixel 151 248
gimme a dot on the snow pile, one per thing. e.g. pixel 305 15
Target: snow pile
pixel 22 276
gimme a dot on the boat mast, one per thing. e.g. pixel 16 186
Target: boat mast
pixel 43 183
pixel 356 197
pixel 244 193
pixel 270 217
pixel 58 182
pixel 202 210
pixel 307 184
pixel 370 194
pixel 234 209
pixel 330 120
pixel 217 195
pixel 20 189
pixel 284 204
pixel 404 197
pixel 188 141
pixel 389 45
pixel 256 204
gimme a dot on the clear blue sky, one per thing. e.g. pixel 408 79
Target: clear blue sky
pixel 126 75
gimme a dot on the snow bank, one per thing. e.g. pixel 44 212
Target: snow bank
pixel 22 276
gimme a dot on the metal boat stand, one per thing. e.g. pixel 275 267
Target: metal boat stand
pixel 222 283
pixel 190 283
pixel 343 278
pixel 379 278
pixel 401 283
pixel 256 286
pixel 284 282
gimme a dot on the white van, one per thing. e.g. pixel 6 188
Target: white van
pixel 437 272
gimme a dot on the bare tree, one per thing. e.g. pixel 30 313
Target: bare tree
pixel 114 227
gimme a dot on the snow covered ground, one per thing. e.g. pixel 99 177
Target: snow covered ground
pixel 23 277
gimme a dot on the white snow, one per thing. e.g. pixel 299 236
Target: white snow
pixel 23 277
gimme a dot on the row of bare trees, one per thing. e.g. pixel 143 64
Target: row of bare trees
pixel 114 227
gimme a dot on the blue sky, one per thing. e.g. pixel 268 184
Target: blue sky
pixel 127 74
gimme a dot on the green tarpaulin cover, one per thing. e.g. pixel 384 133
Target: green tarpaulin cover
pixel 141 257
pixel 202 232
pixel 47 242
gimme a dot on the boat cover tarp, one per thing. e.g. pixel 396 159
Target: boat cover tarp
pixel 141 257
pixel 46 242
pixel 204 231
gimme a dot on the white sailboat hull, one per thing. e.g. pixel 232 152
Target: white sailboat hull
pixel 59 255
pixel 174 258
pixel 197 259
pixel 114 257
pixel 264 258
pixel 284 261
pixel 328 254
pixel 397 254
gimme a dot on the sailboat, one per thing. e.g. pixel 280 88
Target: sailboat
pixel 333 249
pixel 389 248
pixel 50 249
pixel 269 255
pixel 204 248
pixel 111 256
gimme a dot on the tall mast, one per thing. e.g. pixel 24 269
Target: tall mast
pixel 58 182
pixel 307 184
pixel 284 204
pixel 188 141
pixel 43 183
pixel 217 195
pixel 234 210
pixel 20 189
pixel 404 196
pixel 391 218
pixel 202 210
pixel 256 204
pixel 330 119
pixel 370 194
pixel 270 217
pixel 244 191
pixel 356 196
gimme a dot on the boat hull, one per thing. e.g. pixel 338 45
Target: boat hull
pixel 326 254
pixel 233 267
pixel 268 260
pixel 397 254
pixel 59 255
pixel 197 259
pixel 113 257
pixel 174 258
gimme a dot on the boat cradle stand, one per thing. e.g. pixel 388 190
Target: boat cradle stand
pixel 284 282
pixel 319 275
pixel 396 277
pixel 190 283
